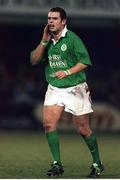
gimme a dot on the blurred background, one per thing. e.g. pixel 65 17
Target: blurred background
pixel 22 87
pixel 24 151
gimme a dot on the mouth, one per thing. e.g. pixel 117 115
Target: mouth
pixel 51 26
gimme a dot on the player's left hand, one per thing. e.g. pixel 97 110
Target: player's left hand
pixel 60 74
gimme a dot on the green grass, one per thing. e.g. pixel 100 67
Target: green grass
pixel 25 155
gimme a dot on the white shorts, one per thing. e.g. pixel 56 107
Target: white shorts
pixel 75 99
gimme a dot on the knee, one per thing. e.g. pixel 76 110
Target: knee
pixel 84 130
pixel 49 126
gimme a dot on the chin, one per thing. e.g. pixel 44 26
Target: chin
pixel 53 32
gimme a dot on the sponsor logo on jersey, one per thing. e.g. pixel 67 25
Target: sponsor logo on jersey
pixel 55 61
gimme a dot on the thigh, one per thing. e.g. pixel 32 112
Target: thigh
pixel 82 124
pixel 52 113
pixel 81 120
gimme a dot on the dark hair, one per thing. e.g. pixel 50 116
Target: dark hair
pixel 61 11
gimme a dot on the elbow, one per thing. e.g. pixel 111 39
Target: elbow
pixel 85 66
pixel 33 63
pixel 33 59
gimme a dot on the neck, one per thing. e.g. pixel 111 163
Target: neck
pixel 57 35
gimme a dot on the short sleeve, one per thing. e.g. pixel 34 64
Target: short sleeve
pixel 81 52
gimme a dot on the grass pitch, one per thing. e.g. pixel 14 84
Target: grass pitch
pixel 25 155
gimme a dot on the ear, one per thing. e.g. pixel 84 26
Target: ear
pixel 64 21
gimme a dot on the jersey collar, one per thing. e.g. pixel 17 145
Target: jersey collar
pixel 62 35
pixel 64 31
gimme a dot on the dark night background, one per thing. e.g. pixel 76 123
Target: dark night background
pixel 23 86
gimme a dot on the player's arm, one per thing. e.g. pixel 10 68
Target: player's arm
pixel 78 67
pixel 37 54
pixel 75 69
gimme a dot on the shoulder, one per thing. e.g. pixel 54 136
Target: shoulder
pixel 74 40
pixel 73 37
pixel 71 34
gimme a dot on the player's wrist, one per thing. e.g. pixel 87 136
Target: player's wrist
pixel 67 72
pixel 44 42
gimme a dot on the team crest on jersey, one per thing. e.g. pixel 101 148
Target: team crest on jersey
pixel 64 47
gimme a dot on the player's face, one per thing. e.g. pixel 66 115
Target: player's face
pixel 55 23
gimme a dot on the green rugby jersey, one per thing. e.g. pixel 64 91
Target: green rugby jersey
pixel 63 55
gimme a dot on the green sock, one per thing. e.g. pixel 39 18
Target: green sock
pixel 91 142
pixel 53 141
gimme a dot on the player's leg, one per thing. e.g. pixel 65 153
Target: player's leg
pixel 83 127
pixel 52 115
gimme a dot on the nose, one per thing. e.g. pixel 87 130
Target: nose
pixel 50 21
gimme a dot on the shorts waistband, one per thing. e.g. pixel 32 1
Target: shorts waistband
pixel 54 87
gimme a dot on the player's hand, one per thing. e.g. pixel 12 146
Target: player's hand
pixel 60 74
pixel 46 33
